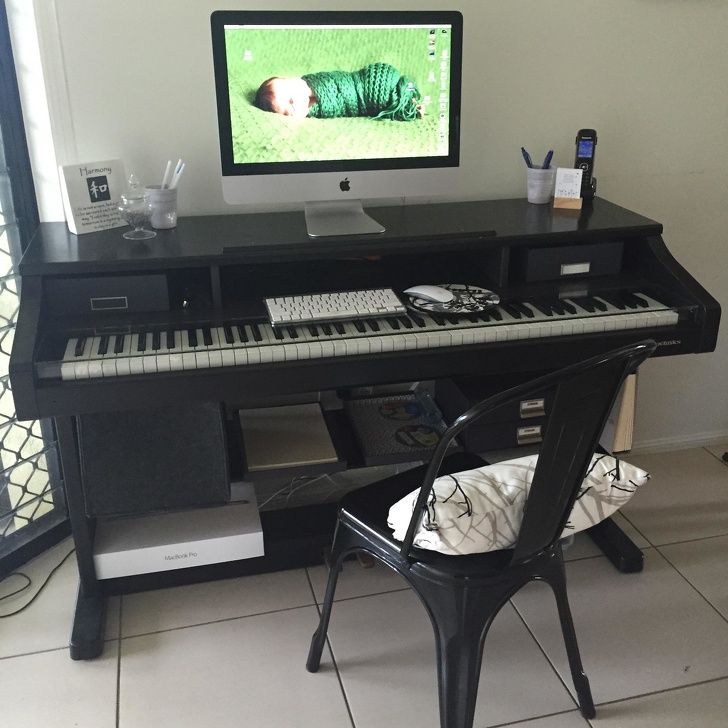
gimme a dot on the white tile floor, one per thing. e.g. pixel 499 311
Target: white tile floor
pixel 232 653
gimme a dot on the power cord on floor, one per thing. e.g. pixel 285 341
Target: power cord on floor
pixel 27 585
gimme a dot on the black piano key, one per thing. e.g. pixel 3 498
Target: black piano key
pixel 373 325
pixel 641 302
pixel 170 339
pixel 80 346
pixel 439 320
pixel 243 334
pixel 142 341
pixel 613 299
pixel 598 305
pixel 292 332
pixel 483 316
pixel 359 325
pixel 583 302
pixel 419 321
pixel 206 336
pixel 277 333
pixel 543 307
pixel 326 328
pixel 512 310
pixel 557 307
pixel 156 340
pixel 494 313
pixel 339 328
pixel 257 336
pixel 406 322
pixel 191 337
pixel 228 331
pixel 118 343
pixel 525 310
pixel 569 307
pixel 313 330
pixel 472 317
pixel 630 300
pixel 393 324
pixel 103 346
pixel 454 320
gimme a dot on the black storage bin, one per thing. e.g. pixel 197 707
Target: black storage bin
pixel 154 460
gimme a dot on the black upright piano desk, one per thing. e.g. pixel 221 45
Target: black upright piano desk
pixel 216 270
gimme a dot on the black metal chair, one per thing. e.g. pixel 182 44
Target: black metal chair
pixel 462 594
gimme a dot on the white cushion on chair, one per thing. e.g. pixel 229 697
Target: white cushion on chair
pixel 481 510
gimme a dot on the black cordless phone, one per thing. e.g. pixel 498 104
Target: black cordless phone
pixel 586 142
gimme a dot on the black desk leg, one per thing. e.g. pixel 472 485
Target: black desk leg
pixel 87 635
pixel 89 621
pixel 617 546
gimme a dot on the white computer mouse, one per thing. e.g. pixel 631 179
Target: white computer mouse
pixel 431 293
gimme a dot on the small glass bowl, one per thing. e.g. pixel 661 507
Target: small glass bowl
pixel 136 212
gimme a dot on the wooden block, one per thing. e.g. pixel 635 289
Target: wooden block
pixel 568 203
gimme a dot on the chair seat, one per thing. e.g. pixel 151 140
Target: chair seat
pixel 371 504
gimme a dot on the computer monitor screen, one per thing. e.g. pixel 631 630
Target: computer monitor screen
pixel 303 93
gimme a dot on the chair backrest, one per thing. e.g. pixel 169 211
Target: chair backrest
pixel 584 395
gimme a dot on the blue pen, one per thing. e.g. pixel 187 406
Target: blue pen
pixel 547 161
pixel 527 157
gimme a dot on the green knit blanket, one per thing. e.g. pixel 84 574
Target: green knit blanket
pixel 377 90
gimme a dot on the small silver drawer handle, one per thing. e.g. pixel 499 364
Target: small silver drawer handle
pixel 529 435
pixel 533 408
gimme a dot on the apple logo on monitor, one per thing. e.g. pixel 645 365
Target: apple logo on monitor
pixel 344 185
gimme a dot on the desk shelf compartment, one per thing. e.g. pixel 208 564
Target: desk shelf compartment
pixel 395 428
pixel 286 441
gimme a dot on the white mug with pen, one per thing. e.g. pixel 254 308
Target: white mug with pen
pixel 539 180
pixel 163 197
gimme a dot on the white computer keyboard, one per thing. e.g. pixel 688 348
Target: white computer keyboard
pixel 311 308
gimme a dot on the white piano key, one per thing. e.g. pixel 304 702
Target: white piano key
pixel 68 371
pixel 290 352
pixel 176 363
pixel 163 362
pixel 136 365
pixel 189 362
pixel 255 353
pixel 123 366
pixel 94 369
pixel 149 363
pixel 108 367
pixel 202 359
pixel 277 353
pixel 240 355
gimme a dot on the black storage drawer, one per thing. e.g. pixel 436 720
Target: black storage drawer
pixel 518 423
pixel 569 261
pixel 81 295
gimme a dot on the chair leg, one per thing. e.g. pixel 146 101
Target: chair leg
pixel 461 619
pixel 319 636
pixel 581 682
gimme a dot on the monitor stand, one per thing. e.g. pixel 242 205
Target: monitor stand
pixel 339 217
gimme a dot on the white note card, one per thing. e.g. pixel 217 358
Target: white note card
pixel 568 183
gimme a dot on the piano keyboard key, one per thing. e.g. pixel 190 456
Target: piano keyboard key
pixel 243 344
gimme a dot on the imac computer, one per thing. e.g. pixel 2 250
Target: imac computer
pixel 329 108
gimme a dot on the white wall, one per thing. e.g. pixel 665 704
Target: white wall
pixel 134 80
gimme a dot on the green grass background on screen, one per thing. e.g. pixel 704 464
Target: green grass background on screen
pixel 262 136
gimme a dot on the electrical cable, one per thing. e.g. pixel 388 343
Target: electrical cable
pixel 28 584
pixel 309 480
